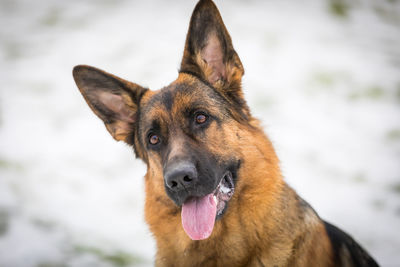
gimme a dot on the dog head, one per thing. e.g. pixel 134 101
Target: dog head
pixel 187 132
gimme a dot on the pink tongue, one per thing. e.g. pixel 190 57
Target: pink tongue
pixel 198 217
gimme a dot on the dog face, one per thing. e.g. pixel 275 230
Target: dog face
pixel 178 137
pixel 187 132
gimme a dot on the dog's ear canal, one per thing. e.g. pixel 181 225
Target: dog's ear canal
pixel 209 53
pixel 112 99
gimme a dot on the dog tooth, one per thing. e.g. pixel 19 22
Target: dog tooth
pixel 224 189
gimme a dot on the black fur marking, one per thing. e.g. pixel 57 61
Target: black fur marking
pixel 340 240
pixel 135 126
pixel 207 167
pixel 160 99
pixel 260 262
pixel 204 81
pixel 210 169
pixel 236 105
pixel 167 99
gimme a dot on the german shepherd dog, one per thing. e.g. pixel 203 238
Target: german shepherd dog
pixel 215 195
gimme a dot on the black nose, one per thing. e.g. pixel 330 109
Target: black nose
pixel 181 175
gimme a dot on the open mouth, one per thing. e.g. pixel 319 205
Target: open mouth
pixel 223 193
pixel 199 213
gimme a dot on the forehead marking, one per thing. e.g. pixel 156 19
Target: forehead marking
pixel 182 96
pixel 167 98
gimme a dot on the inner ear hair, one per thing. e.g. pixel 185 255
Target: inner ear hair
pixel 120 105
pixel 231 73
pixel 214 55
pixel 112 99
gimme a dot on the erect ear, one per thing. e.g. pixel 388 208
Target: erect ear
pixel 112 99
pixel 209 53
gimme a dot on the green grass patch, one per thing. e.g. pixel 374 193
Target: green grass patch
pixel 324 79
pixel 393 135
pixel 395 188
pixel 388 13
pixel 4 218
pixel 42 224
pixel 51 264
pixel 52 18
pixel 339 8
pixel 329 81
pixel 373 92
pixel 398 92
pixel 359 178
pixel 6 164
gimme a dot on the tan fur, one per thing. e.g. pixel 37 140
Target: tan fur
pixel 266 223
pixel 263 226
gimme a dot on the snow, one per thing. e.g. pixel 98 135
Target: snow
pixel 326 87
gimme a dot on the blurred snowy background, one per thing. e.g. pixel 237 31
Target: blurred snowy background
pixel 322 75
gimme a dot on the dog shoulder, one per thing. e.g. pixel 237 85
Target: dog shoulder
pixel 347 251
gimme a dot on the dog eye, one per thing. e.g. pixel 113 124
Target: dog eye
pixel 154 139
pixel 201 118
